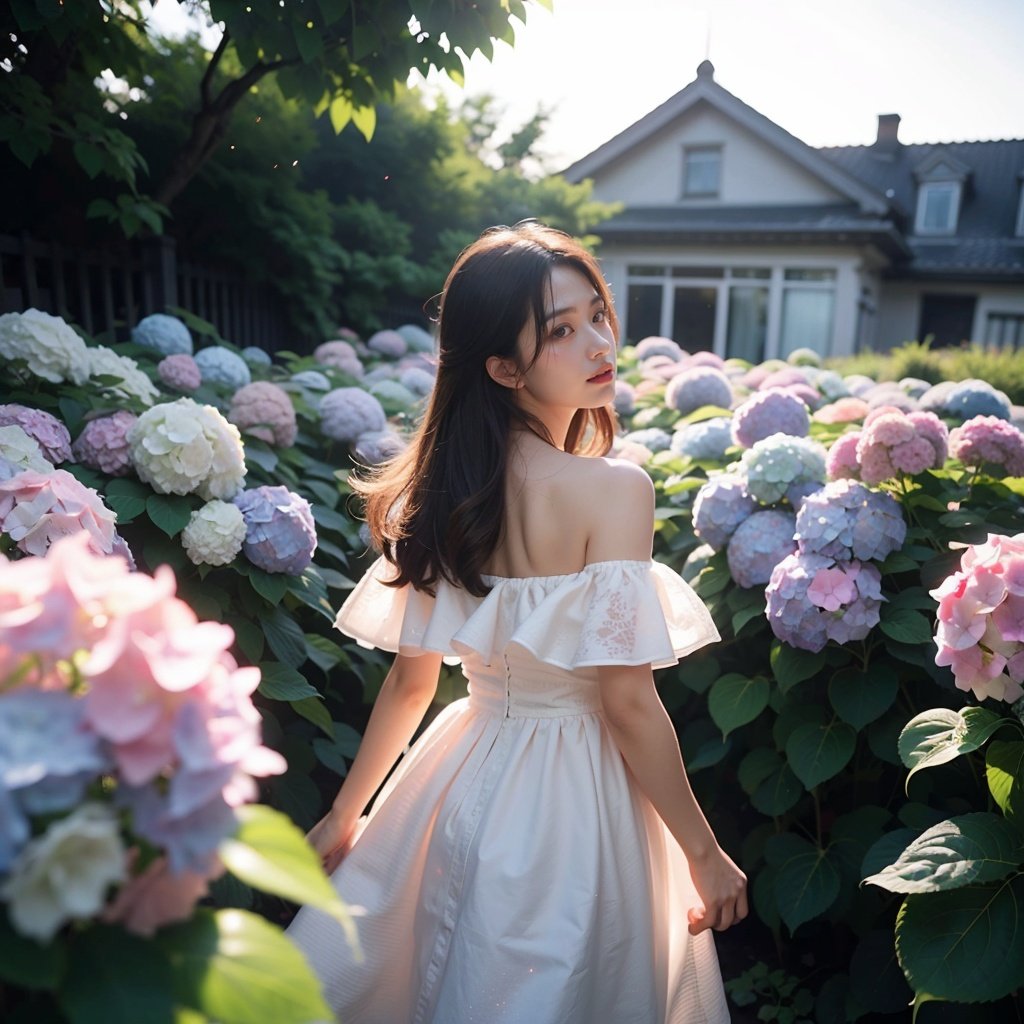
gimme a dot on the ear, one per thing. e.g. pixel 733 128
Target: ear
pixel 504 372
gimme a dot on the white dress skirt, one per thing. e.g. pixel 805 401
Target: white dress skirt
pixel 511 871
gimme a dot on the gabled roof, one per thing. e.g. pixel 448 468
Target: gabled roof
pixel 705 89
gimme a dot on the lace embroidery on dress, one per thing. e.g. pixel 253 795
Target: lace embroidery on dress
pixel 616 636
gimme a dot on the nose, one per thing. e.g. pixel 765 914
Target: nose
pixel 601 342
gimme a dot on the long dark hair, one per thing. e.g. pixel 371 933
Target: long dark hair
pixel 437 510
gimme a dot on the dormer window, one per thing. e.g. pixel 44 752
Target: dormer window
pixel 941 181
pixel 702 172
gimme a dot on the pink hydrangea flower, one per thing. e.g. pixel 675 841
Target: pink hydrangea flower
pixel 38 508
pixel 843 410
pixel 842 461
pixel 103 443
pixel 831 589
pixel 264 410
pixel 51 435
pixel 934 431
pixel 180 372
pixel 894 442
pixel 991 441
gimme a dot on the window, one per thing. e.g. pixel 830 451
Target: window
pixel 702 171
pixel 947 319
pixel 1005 330
pixel 1020 213
pixel 938 206
pixel 693 318
pixel 643 311
pixel 806 320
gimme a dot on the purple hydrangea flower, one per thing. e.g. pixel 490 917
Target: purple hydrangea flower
pixel 846 520
pixel 418 339
pixel 704 358
pixel 103 443
pixel 166 334
pixel 719 508
pixel 759 544
pixel 418 381
pixel 776 462
pixel 654 439
pixel 692 389
pixel 280 535
pixel 773 411
pixel 347 413
pixel 656 346
pixel 180 371
pixel 812 599
pixel 625 398
pixel 49 433
pixel 914 386
pixel 388 343
pixel 857 384
pixel 891 395
pixel 377 446
pixel 971 398
pixel 708 439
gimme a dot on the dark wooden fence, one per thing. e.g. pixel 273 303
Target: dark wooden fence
pixel 107 292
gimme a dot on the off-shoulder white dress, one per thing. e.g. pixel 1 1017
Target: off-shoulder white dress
pixel 511 871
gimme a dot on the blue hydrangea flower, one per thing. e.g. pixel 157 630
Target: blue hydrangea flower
pixel 625 398
pixel 346 413
pixel 797 494
pixel 845 519
pixel 165 334
pixel 773 464
pixel 655 346
pixel 417 380
pixel 314 380
pixel 697 387
pixel 759 544
pixel 769 412
pixel 654 439
pixel 220 365
pixel 812 599
pixel 280 535
pixel 255 356
pixel 388 343
pixel 970 398
pixel 708 439
pixel 914 386
pixel 857 384
pixel 719 508
pixel 828 383
pixel 394 393
pixel 418 339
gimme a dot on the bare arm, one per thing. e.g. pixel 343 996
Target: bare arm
pixel 406 694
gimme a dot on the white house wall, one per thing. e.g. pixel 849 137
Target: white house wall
pixel 900 307
pixel 753 172
pixel 854 270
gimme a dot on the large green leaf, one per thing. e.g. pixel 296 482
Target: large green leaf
pixel 977 847
pixel 269 853
pixel 862 697
pixel 28 963
pixel 237 968
pixel 875 973
pixel 282 682
pixel 807 883
pixel 818 752
pixel 735 700
pixel 285 637
pixel 906 625
pixel 887 848
pixel 1004 769
pixel 169 512
pixel 116 978
pixel 756 766
pixel 778 792
pixel 939 735
pixel 269 585
pixel 964 945
pixel 792 666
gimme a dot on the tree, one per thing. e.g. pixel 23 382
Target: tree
pixel 341 57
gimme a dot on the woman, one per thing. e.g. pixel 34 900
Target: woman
pixel 538 855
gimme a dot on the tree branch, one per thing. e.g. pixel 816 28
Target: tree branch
pixel 204 85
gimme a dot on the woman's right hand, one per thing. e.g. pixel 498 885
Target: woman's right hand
pixel 332 837
pixel 722 888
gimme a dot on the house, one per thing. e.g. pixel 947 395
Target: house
pixel 737 237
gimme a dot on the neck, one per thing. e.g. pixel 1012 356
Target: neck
pixel 555 420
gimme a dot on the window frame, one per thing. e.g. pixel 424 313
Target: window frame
pixel 950 227
pixel 688 151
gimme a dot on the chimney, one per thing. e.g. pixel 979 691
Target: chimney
pixel 888 132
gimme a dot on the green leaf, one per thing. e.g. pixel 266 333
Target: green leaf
pixel 269 853
pixel 314 710
pixel 248 636
pixel 340 112
pixel 756 766
pixel 116 978
pixel 170 512
pixel 779 792
pixel 285 637
pixel 886 849
pixel 818 752
pixel 940 734
pixel 735 700
pixel 28 963
pixel 323 652
pixel 365 119
pixel 906 625
pixel 127 498
pixel 897 562
pixel 260 456
pixel 965 945
pixel 271 586
pixel 1004 770
pixel 282 682
pixel 977 847
pixel 807 883
pixel 792 666
pixel 335 754
pixel 236 968
pixel 875 974
pixel 862 697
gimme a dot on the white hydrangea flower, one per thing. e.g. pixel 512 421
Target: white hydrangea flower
pixel 183 448
pixel 214 534
pixel 19 451
pixel 64 873
pixel 220 365
pixel 105 362
pixel 50 347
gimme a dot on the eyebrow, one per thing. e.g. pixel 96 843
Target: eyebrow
pixel 554 314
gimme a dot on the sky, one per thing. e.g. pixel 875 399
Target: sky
pixel 822 69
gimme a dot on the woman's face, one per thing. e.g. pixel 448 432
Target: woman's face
pixel 576 365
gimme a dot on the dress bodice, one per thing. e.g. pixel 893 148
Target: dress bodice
pixel 532 646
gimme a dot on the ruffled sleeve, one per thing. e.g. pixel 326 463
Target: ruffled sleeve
pixel 616 613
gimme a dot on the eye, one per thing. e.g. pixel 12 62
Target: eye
pixel 561 331
pixel 600 316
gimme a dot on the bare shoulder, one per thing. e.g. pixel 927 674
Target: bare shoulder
pixel 618 501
